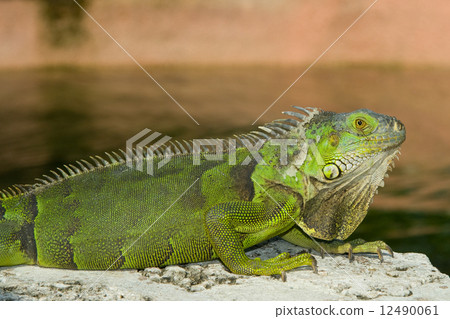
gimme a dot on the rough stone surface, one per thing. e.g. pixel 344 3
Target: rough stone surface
pixel 408 276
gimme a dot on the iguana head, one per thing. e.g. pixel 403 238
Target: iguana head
pixel 348 156
pixel 345 145
pixel 339 162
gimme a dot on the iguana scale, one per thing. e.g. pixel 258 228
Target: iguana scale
pixel 105 214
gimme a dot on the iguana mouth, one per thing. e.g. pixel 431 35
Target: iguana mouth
pixel 389 143
pixel 349 164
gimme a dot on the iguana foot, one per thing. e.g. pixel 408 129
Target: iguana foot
pixel 277 265
pixel 297 237
pixel 226 224
pixel 354 247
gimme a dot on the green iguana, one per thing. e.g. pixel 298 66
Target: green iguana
pixel 308 179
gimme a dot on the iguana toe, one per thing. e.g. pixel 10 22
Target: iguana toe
pixel 280 257
pixel 277 265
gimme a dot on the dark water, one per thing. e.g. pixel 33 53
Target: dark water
pixel 59 115
pixel 410 231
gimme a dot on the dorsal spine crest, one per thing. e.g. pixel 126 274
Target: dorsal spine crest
pixel 275 129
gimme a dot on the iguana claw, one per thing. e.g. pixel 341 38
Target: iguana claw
pixel 380 255
pixel 390 252
pixel 314 264
pixel 350 254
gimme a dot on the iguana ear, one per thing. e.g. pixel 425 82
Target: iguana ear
pixel 334 213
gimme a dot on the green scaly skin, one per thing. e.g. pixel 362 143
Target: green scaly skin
pixel 112 216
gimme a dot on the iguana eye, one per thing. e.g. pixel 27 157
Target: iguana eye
pixel 331 171
pixel 360 124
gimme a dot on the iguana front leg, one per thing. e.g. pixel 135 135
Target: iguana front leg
pixel 234 226
pixel 299 238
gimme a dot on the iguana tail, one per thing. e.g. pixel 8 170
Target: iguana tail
pixel 17 243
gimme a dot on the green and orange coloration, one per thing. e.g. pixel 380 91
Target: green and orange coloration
pixel 107 215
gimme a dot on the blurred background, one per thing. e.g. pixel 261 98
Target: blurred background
pixel 67 90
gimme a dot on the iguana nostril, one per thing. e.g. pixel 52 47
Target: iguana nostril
pixel 398 126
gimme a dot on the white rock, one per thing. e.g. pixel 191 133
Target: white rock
pixel 406 277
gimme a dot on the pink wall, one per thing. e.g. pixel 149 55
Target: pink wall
pixel 250 31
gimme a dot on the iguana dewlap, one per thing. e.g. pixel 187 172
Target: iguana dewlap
pixel 309 177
